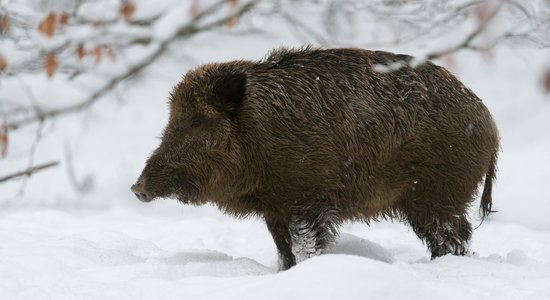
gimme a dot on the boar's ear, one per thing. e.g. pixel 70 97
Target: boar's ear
pixel 229 90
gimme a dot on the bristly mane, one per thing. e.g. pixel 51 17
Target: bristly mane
pixel 284 55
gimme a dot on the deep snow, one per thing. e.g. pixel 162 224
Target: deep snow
pixel 104 244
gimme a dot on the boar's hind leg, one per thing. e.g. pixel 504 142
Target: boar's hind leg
pixel 281 236
pixel 445 230
pixel 444 236
pixel 312 234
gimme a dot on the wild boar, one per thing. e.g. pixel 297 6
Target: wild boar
pixel 309 138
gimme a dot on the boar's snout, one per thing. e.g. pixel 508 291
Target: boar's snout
pixel 164 176
pixel 139 190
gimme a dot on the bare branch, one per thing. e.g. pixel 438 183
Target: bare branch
pixel 29 171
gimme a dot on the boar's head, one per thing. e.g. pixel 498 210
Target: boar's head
pixel 199 157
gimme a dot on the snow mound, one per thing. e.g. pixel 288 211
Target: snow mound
pixel 337 276
pixel 353 245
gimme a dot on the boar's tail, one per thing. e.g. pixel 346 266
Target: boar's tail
pixel 486 199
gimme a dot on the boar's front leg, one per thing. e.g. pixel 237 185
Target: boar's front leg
pixel 281 235
pixel 313 233
pixel 305 235
pixel 312 236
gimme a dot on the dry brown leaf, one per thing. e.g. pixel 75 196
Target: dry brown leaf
pixel 546 81
pixel 194 9
pixel 3 139
pixel 397 39
pixel 97 24
pixel 51 64
pixel 80 51
pixel 449 61
pixel 110 53
pixel 232 22
pixel 3 63
pixel 47 26
pixel 4 23
pixel 97 53
pixel 64 19
pixel 482 12
pixel 127 10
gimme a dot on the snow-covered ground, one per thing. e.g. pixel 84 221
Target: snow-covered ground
pixel 104 244
pixel 129 253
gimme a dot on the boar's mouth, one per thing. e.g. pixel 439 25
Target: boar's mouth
pixel 182 191
pixel 186 193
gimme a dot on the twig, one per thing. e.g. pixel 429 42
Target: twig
pixel 32 153
pixel 184 32
pixel 81 186
pixel 410 20
pixel 29 171
pixel 519 7
pixel 38 135
pixel 466 43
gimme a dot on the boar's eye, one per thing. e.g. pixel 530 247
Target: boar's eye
pixel 196 122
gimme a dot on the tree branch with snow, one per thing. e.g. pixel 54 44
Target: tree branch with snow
pixel 156 40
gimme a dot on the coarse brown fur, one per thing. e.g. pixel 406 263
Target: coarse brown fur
pixel 309 138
